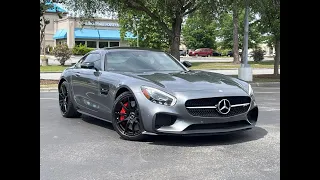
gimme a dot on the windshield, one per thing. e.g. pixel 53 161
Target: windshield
pixel 141 61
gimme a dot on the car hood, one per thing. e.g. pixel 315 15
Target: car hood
pixel 188 80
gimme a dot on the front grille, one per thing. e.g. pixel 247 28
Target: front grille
pixel 226 125
pixel 213 112
pixel 214 101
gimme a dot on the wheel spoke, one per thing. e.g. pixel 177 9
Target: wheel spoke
pixel 61 101
pixel 120 114
pixel 124 107
pixel 129 104
pixel 126 128
pixel 63 109
pixel 64 91
pixel 61 95
pixel 65 106
pixel 125 120
pixel 138 123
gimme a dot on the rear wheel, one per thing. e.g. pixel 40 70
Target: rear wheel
pixel 126 117
pixel 66 106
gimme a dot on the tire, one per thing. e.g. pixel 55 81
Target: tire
pixel 122 123
pixel 65 103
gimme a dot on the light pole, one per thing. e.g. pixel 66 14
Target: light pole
pixel 137 37
pixel 245 71
pixel 136 28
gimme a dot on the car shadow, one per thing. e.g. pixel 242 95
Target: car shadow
pixel 97 122
pixel 191 141
pixel 212 140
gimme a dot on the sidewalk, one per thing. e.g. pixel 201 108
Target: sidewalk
pixel 56 76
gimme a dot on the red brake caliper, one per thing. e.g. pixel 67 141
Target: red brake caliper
pixel 123 111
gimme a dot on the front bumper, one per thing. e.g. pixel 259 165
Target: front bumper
pixel 160 119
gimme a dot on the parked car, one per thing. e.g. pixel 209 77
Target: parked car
pixel 216 53
pixel 183 53
pixel 230 53
pixel 145 91
pixel 204 52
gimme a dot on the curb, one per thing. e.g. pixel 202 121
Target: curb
pixel 48 89
pixel 265 84
pixel 51 72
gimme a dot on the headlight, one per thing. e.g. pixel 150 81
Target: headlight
pixel 250 90
pixel 157 96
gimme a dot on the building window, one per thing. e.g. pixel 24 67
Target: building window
pixel 92 44
pixel 103 44
pixel 80 42
pixel 112 44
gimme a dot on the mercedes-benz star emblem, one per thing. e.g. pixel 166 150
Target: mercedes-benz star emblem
pixel 224 106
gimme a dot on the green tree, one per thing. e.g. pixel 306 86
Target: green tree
pixel 44 6
pixel 226 30
pixel 269 11
pixel 199 34
pixel 168 14
pixel 149 34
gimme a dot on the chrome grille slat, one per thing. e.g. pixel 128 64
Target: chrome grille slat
pixel 206 107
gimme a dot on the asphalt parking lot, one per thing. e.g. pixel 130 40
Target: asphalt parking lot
pixel 87 148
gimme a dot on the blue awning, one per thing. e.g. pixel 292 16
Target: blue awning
pixel 86 33
pixel 55 8
pixel 109 34
pixel 60 34
pixel 92 34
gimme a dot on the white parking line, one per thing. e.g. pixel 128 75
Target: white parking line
pixel 266 87
pixel 265 92
pixel 268 109
pixel 49 98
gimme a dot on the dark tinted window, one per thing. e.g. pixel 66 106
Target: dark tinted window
pixel 92 44
pixel 141 61
pixel 113 44
pixel 103 44
pixel 95 58
pixel 80 42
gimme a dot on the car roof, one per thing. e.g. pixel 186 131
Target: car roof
pixel 128 48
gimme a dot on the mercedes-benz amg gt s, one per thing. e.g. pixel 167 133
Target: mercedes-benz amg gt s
pixel 145 91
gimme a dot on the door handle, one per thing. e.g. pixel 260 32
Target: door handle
pixel 77 74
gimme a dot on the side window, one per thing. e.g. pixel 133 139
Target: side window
pixel 78 65
pixel 95 58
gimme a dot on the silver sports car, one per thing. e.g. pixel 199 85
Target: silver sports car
pixel 144 91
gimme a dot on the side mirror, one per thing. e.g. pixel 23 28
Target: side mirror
pixel 88 65
pixel 187 64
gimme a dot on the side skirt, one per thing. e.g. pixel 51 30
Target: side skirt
pixel 88 114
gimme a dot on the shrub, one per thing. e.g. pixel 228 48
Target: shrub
pixel 81 50
pixel 222 51
pixel 49 49
pixel 62 53
pixel 257 55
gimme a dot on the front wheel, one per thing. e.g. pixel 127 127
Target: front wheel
pixel 66 106
pixel 126 118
